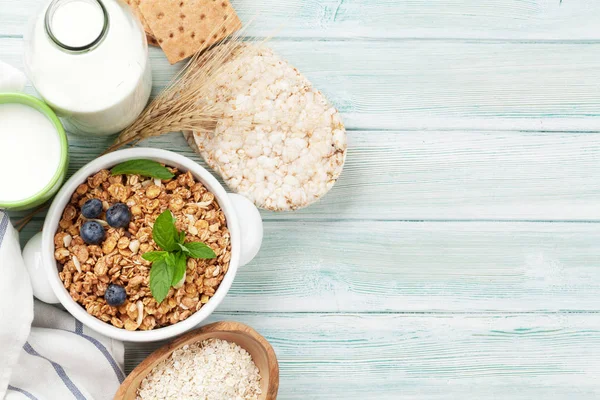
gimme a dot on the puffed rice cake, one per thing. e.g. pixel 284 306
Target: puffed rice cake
pixel 279 142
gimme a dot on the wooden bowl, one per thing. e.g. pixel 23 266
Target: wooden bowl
pixel 261 351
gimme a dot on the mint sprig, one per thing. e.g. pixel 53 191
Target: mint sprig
pixel 165 233
pixel 142 167
pixel 168 265
pixel 154 255
pixel 197 250
pixel 161 277
pixel 179 268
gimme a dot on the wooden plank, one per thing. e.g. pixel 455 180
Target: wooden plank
pixel 493 19
pixel 454 85
pixel 442 176
pixel 440 85
pixel 464 175
pixel 374 266
pixel 396 266
pixel 517 357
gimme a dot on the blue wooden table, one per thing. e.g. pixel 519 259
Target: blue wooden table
pixel 458 257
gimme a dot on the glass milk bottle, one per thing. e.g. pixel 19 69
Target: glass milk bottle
pixel 88 59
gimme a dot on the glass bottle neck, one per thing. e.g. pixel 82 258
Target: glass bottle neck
pixel 76 25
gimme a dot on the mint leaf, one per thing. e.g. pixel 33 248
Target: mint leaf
pixel 149 168
pixel 164 232
pixel 170 260
pixel 181 238
pixel 161 276
pixel 154 255
pixel 198 250
pixel 180 266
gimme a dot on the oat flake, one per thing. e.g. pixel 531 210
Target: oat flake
pixel 211 370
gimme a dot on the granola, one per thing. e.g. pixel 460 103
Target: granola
pixel 87 270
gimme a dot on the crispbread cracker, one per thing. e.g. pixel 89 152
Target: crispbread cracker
pixel 152 40
pixel 185 27
pixel 135 8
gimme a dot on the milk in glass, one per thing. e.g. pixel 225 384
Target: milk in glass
pixel 30 152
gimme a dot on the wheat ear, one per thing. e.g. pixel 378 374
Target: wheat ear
pixel 181 105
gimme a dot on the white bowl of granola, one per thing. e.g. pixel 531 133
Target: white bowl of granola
pixel 124 272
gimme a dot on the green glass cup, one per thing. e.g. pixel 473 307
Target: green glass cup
pixel 59 176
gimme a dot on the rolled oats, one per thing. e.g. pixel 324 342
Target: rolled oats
pixel 212 369
pixel 87 270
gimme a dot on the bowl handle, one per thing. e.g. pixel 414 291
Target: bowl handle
pixel 32 255
pixel 251 227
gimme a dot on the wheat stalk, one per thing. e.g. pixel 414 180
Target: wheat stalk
pixel 181 105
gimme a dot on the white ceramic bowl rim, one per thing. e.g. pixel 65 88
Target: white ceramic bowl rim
pixel 106 162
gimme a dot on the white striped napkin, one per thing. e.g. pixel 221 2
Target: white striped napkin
pixel 53 357
pixel 62 360
pixel 16 301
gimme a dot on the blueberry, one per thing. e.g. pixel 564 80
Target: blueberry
pixel 115 295
pixel 92 208
pixel 92 232
pixel 118 216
